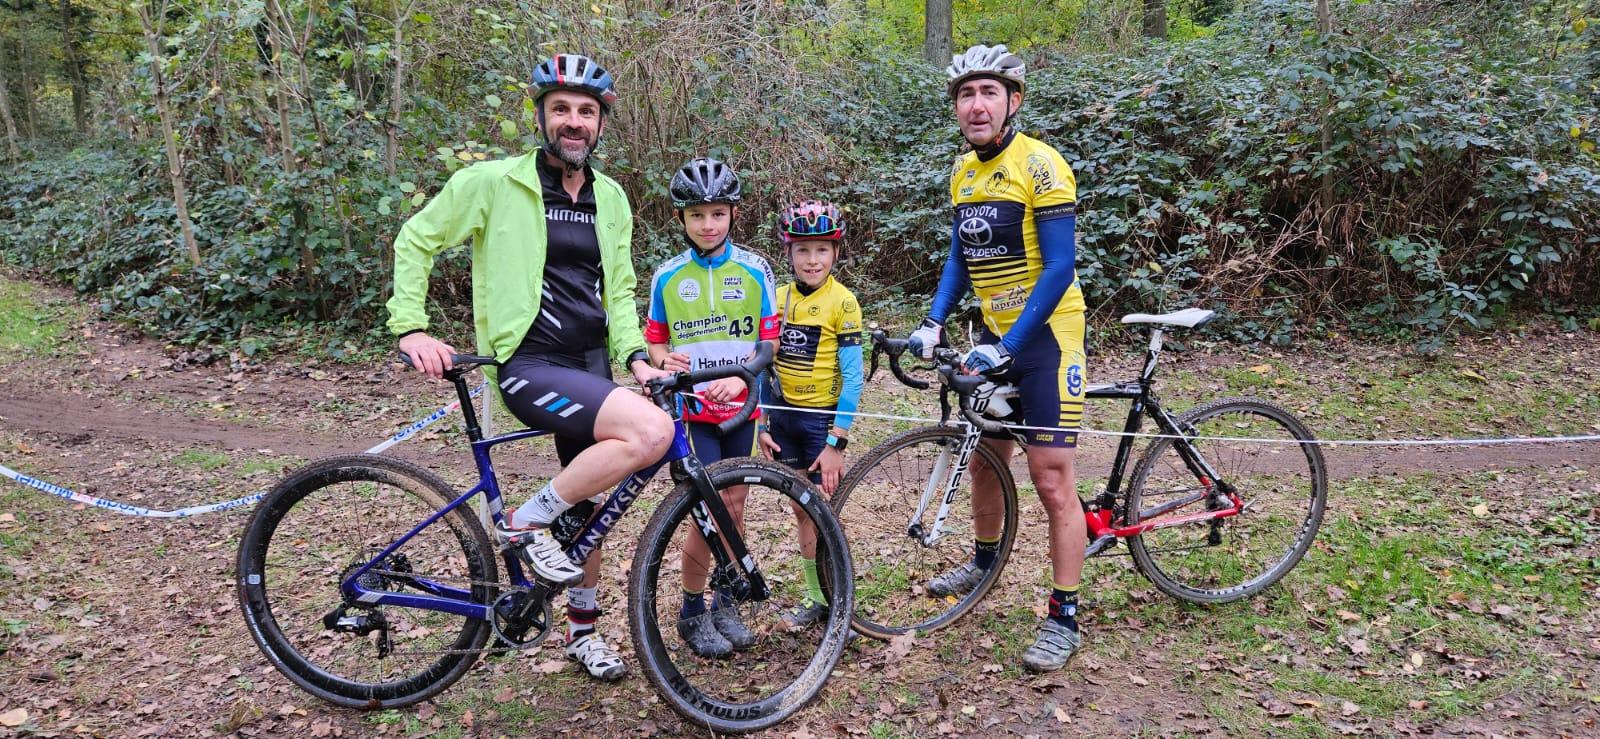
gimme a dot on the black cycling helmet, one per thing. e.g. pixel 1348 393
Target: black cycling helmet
pixel 702 181
pixel 574 72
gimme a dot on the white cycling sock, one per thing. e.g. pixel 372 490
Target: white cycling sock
pixel 540 510
pixel 584 599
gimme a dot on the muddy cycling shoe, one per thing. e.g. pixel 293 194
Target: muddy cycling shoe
pixel 700 633
pixel 597 657
pixel 805 614
pixel 540 550
pixel 726 620
pixel 958 581
pixel 1053 648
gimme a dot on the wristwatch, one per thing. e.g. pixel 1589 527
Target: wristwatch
pixel 838 442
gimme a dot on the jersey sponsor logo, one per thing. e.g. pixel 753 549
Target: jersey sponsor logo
pixel 689 289
pixel 1043 173
pixel 971 173
pixel 567 215
pixel 984 253
pixel 975 231
pixel 850 326
pixel 732 281
pixel 1012 299
pixel 814 310
pixel 733 295
pixel 683 330
pixel 966 192
pixel 1074 380
pixel 794 337
pixel 998 183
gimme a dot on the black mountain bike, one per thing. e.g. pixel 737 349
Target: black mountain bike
pixel 1221 509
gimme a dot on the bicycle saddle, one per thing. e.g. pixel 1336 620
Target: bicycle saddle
pixel 1187 318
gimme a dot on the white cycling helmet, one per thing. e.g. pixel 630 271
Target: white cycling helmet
pixel 986 61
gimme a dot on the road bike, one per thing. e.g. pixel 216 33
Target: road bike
pixel 370 583
pixel 1222 505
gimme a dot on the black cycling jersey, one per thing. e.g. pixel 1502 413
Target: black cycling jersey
pixel 571 316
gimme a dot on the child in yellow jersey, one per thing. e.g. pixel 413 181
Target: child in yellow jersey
pixel 818 368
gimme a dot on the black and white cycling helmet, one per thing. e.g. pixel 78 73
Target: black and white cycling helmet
pixel 704 180
pixel 986 61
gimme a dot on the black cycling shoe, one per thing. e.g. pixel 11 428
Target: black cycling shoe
pixel 729 625
pixel 701 634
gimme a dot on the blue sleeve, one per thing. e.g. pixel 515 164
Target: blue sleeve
pixel 953 282
pixel 850 394
pixel 1058 248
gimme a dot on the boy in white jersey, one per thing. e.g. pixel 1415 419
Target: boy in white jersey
pixel 710 306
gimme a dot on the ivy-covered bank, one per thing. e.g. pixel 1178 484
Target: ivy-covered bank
pixel 1412 174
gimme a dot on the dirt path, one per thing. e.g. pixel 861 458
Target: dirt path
pixel 112 626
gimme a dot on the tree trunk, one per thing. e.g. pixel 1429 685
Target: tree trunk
pixel 1325 191
pixel 938 17
pixel 1155 19
pixel 5 114
pixel 396 89
pixel 151 24
pixel 75 63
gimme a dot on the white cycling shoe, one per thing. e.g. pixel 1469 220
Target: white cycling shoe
pixel 596 656
pixel 540 550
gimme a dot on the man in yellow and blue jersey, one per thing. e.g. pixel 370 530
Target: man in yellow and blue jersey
pixel 1013 241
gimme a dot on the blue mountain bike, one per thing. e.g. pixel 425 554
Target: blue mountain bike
pixel 371 584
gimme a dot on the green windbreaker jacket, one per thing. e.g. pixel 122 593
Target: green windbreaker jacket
pixel 500 207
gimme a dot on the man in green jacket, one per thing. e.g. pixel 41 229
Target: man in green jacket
pixel 552 299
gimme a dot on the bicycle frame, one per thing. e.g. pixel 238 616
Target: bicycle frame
pixel 710 514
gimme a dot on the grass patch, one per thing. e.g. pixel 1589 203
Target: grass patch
pixel 1414 604
pixel 201 459
pixel 31 321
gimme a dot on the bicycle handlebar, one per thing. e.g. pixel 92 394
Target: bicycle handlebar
pixel 881 343
pixel 746 370
pixel 948 362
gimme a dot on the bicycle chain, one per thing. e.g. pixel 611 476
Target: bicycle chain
pixel 503 587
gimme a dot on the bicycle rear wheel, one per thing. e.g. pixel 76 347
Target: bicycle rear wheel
pixel 1284 487
pixel 877 504
pixel 785 668
pixel 328 519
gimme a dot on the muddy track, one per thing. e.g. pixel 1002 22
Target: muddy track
pixel 73 419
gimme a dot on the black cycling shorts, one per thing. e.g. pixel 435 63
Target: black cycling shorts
pixel 710 446
pixel 800 436
pixel 560 392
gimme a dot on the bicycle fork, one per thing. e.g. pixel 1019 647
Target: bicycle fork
pixel 942 471
pixel 728 550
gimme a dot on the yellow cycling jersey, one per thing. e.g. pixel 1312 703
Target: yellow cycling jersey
pixel 815 328
pixel 996 204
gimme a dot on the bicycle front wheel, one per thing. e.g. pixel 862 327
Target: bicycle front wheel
pixel 896 552
pixel 785 667
pixel 1284 487
pixel 322 523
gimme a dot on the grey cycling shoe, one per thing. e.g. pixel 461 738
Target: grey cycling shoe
pixel 805 614
pixel 958 581
pixel 727 622
pixel 701 634
pixel 1053 648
